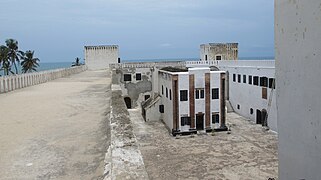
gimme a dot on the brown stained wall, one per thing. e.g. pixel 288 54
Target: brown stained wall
pixel 175 101
pixel 228 51
pixel 222 99
pixel 192 99
pixel 208 100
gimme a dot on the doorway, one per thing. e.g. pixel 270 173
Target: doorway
pixel 128 102
pixel 258 117
pixel 200 121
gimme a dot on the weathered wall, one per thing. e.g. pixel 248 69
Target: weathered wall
pixel 298 64
pixel 135 89
pixel 13 82
pixel 99 57
pixel 228 51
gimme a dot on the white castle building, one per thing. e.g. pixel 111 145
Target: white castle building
pixel 99 57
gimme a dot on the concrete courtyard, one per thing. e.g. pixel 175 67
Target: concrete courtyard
pixel 56 130
pixel 249 152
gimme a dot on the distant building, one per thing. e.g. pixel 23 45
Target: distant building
pixel 219 51
pixel 99 57
pixel 190 100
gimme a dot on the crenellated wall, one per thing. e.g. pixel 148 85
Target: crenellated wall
pixel 13 82
pixel 99 57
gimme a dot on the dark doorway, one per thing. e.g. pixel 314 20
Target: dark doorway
pixel 218 58
pixel 264 118
pixel 200 121
pixel 128 102
pixel 258 117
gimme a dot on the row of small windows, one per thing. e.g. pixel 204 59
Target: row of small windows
pixel 166 92
pixel 255 80
pixel 128 77
pixel 199 94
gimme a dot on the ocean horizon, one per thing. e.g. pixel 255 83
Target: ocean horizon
pixel 57 65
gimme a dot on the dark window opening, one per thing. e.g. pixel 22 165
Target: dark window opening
pixel 251 111
pixel 272 83
pixel 127 77
pixel 256 80
pixel 161 108
pixel 239 78
pixel 250 79
pixel 138 76
pixel 234 77
pixel 215 93
pixel 199 94
pixel 185 121
pixel 264 81
pixel 244 78
pixel 162 90
pixel 183 95
pixel 170 94
pixel 128 102
pixel 215 118
pixel 166 92
pixel 205 57
pixel 238 106
pixel 218 58
pixel 147 97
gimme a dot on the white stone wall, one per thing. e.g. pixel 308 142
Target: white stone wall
pixel 298 71
pixel 13 82
pixel 99 57
pixel 165 80
pixel 247 95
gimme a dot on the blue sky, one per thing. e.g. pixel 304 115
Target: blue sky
pixel 58 29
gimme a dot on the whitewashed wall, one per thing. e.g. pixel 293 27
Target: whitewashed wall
pixel 99 57
pixel 298 71
pixel 13 82
pixel 164 81
pixel 250 96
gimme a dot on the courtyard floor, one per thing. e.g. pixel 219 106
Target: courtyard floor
pixel 249 152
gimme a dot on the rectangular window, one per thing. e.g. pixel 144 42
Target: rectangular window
pixel 215 93
pixel 239 78
pixel 215 118
pixel 244 78
pixel 166 92
pixel 161 108
pixel 264 81
pixel 162 90
pixel 138 76
pixel 170 94
pixel 199 93
pixel 185 121
pixel 272 83
pixel 256 80
pixel 127 77
pixel 250 79
pixel 234 77
pixel 183 95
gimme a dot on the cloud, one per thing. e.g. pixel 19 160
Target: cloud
pixel 165 45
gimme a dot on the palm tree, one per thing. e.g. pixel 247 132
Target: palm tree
pixel 29 63
pixel 14 53
pixel 4 60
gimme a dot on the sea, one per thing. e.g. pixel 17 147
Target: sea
pixel 58 65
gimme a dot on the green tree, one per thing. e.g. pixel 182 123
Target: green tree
pixel 4 60
pixel 14 53
pixel 29 63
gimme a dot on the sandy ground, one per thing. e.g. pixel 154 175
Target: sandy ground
pixel 247 153
pixel 56 130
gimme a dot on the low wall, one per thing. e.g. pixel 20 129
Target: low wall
pixel 13 82
pixel 124 159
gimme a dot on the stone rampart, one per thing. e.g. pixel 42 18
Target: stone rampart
pixel 13 82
